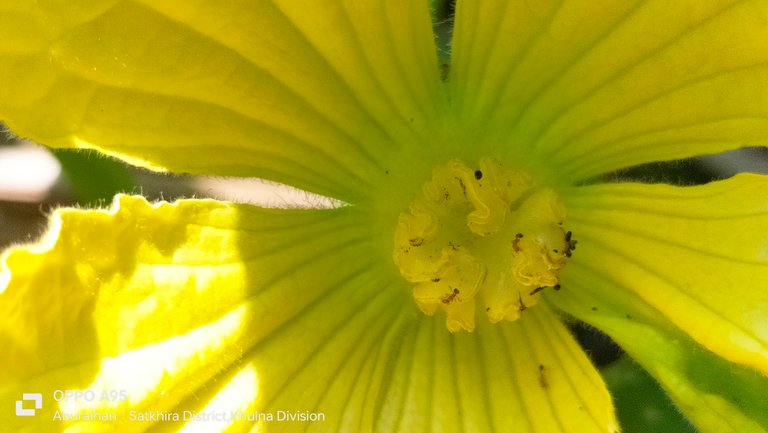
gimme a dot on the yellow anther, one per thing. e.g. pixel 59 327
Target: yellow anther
pixel 481 238
pixel 453 289
pixel 417 254
pixel 489 212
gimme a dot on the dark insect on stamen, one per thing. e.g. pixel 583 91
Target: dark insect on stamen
pixel 516 242
pixel 523 307
pixel 571 243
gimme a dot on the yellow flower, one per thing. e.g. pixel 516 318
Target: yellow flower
pixel 210 316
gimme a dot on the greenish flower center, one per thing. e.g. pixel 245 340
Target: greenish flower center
pixel 485 238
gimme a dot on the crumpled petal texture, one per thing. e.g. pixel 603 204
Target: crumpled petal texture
pixel 163 300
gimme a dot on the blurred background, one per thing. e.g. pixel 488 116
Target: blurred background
pixel 34 180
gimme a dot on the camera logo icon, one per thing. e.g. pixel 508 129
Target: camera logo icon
pixel 37 398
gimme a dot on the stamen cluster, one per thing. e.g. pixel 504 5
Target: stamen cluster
pixel 486 236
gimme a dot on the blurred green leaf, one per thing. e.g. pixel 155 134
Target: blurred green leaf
pixel 641 405
pixel 94 178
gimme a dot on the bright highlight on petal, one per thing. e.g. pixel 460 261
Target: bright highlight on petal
pixel 489 232
pixel 167 301
pixel 230 409
pixel 103 322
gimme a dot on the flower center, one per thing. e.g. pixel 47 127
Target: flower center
pixel 486 236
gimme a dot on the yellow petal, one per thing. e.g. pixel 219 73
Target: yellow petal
pixel 526 376
pixel 699 255
pixel 160 303
pixel 590 87
pixel 715 394
pixel 325 367
pixel 312 94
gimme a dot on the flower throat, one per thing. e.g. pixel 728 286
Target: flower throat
pixel 481 238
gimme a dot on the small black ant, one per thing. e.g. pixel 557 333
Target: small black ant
pixel 447 299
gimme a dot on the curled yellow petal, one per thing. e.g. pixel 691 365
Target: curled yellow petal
pixel 697 254
pixel 149 307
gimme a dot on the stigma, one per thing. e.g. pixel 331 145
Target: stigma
pixel 484 238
